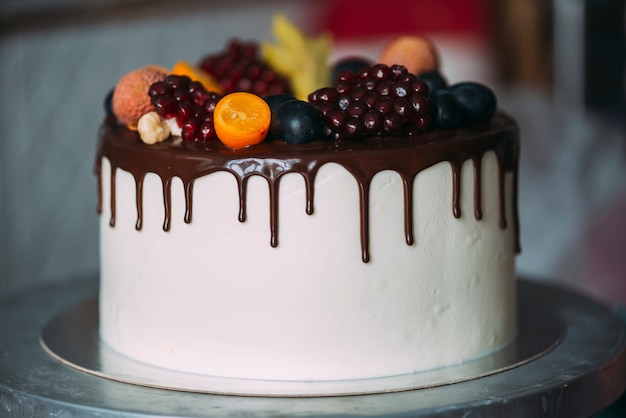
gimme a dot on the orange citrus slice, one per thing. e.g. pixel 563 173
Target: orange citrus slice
pixel 241 119
pixel 197 74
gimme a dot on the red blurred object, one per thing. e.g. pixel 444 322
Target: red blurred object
pixel 368 18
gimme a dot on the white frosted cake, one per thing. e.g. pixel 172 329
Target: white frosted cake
pixel 332 259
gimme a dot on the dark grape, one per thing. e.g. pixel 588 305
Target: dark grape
pixel 296 122
pixel 477 100
pixel 275 100
pixel 448 113
pixel 434 80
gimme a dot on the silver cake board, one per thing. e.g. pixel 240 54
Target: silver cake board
pixel 569 360
pixel 72 338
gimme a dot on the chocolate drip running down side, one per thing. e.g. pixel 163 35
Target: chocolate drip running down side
pixel 271 160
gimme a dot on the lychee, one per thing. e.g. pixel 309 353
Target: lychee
pixel 130 97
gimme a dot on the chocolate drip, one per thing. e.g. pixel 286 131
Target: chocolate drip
pixel 456 188
pixel 407 184
pixel 139 200
pixel 478 209
pixel 113 194
pixel 167 202
pixel 188 201
pixel 363 159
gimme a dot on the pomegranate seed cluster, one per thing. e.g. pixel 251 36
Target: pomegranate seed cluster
pixel 238 68
pixel 377 100
pixel 189 103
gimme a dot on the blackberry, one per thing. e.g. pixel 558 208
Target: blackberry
pixel 376 100
pixel 189 103
pixel 239 68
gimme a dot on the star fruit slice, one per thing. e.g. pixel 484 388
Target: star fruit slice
pixel 302 59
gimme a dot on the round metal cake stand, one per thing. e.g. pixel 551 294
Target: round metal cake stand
pixel 581 375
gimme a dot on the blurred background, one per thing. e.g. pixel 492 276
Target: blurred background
pixel 558 66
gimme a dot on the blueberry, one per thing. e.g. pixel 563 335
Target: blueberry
pixel 478 101
pixel 448 113
pixel 296 122
pixel 352 64
pixel 434 80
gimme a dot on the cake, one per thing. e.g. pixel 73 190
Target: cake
pixel 328 259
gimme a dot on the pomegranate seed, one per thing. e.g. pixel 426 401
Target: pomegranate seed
pixel 384 104
pixel 384 87
pixel 381 72
pixel 190 129
pixel 158 88
pixel 207 131
pixel 165 105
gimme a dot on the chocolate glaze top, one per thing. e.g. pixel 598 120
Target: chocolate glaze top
pixel 271 160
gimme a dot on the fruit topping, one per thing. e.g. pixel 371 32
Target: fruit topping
pixel 477 100
pixel 129 100
pixel 196 73
pixel 249 92
pixel 152 128
pixel 178 98
pixel 239 68
pixel 448 112
pixel 378 100
pixel 296 122
pixel 303 60
pixel 277 99
pixel 416 53
pixel 350 64
pixel 434 80
pixel 241 119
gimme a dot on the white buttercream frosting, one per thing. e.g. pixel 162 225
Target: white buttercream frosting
pixel 213 297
